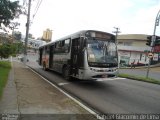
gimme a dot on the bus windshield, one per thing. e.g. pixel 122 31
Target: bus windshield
pixel 102 53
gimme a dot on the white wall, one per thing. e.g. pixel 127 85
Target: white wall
pixel 130 56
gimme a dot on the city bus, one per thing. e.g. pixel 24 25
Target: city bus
pixel 86 55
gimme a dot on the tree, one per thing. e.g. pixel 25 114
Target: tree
pixel 10 49
pixel 5 50
pixel 8 11
pixel 17 48
pixel 17 36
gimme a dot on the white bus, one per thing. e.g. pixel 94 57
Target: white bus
pixel 86 55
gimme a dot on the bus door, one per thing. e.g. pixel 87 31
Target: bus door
pixel 75 56
pixel 40 56
pixel 51 56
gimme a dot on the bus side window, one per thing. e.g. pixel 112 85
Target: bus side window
pixel 57 47
pixel 47 50
pixel 77 44
pixel 66 46
pixel 63 46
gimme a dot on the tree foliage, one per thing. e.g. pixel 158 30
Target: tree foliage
pixel 5 50
pixel 10 49
pixel 8 11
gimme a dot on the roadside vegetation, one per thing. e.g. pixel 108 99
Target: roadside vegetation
pixel 8 49
pixel 5 67
pixel 10 11
pixel 150 80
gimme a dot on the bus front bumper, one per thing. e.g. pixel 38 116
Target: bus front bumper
pixel 97 73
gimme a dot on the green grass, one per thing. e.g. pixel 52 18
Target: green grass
pixel 139 78
pixel 5 67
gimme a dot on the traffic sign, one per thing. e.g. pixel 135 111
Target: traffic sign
pixel 150 55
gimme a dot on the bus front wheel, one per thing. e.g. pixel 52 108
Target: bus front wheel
pixel 66 71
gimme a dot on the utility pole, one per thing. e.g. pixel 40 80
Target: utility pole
pixel 116 40
pixel 116 32
pixel 153 40
pixel 27 32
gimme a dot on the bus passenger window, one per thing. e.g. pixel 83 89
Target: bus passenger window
pixel 62 43
pixel 47 50
pixel 67 45
pixel 63 46
pixel 58 47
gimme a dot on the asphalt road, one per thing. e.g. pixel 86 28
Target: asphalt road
pixel 109 96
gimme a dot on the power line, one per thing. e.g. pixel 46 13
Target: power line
pixel 24 2
pixel 37 8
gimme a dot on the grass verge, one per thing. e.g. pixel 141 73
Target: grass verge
pixel 5 67
pixel 139 78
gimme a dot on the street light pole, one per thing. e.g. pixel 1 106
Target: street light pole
pixel 27 32
pixel 153 40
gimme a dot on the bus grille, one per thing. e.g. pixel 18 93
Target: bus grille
pixel 103 76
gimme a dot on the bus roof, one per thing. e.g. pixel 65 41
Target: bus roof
pixel 74 35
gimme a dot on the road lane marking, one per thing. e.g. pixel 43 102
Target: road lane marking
pixel 104 80
pixel 61 84
pixel 109 79
pixel 120 78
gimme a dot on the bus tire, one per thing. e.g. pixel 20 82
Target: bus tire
pixel 66 71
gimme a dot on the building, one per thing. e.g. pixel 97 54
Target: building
pixel 34 43
pixel 47 35
pixel 132 49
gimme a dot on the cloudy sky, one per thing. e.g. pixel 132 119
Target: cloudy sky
pixel 68 16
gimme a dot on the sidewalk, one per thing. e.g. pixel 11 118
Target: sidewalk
pixel 155 68
pixel 8 102
pixel 27 93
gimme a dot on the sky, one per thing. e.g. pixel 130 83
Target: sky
pixel 65 17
